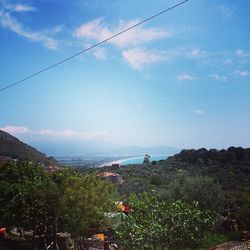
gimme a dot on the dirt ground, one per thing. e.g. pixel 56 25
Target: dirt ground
pixel 234 245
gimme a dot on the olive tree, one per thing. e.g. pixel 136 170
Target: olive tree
pixel 156 224
pixel 85 201
pixel 202 189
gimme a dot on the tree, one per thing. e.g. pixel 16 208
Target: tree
pixel 85 201
pixel 146 159
pixel 156 224
pixel 27 198
pixel 32 199
pixel 24 192
pixel 202 189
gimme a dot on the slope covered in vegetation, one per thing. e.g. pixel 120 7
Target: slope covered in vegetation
pixel 219 179
pixel 12 147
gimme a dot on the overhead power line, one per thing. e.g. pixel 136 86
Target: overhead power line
pixel 92 47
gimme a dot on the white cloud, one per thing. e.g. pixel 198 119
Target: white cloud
pixel 137 58
pixel 49 133
pixel 185 77
pixel 100 53
pixel 92 30
pixel 199 112
pixel 227 11
pixel 57 29
pixel 242 54
pixel 242 73
pixel 16 130
pixel 196 53
pixel 96 30
pixel 21 7
pixel 133 42
pixel 17 7
pixel 219 77
pixel 228 61
pixel 9 22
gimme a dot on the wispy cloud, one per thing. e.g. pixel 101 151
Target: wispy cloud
pixel 218 77
pixel 242 73
pixel 133 44
pixel 227 11
pixel 96 30
pixel 185 77
pixel 242 54
pixel 100 53
pixel 228 61
pixel 57 134
pixel 130 43
pixel 199 112
pixel 9 22
pixel 137 58
pixel 17 7
pixel 195 53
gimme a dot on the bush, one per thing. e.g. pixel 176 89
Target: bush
pixel 154 224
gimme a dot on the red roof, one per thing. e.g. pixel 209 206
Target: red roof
pixel 106 174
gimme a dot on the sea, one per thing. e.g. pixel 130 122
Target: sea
pixel 138 160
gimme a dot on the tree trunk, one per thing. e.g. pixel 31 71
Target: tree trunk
pixel 55 246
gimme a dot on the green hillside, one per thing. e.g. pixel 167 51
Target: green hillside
pixel 12 147
pixel 181 176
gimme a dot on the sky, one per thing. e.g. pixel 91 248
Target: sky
pixel 181 79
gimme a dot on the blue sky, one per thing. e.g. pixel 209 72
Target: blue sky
pixel 182 79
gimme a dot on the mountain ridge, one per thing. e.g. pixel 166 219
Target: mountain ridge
pixel 11 146
pixel 78 149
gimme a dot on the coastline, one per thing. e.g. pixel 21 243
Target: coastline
pixel 121 161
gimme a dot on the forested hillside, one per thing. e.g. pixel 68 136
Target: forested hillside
pixel 12 147
pixel 230 167
pixel 189 174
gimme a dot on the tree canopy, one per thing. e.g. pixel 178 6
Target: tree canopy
pixel 157 224
pixel 33 199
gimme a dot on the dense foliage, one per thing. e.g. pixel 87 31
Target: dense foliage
pixel 84 203
pixel 33 199
pixel 10 146
pixel 202 189
pixel 218 179
pixel 191 188
pixel 24 196
pixel 157 224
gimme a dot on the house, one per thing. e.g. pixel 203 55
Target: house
pixel 113 177
pixel 51 168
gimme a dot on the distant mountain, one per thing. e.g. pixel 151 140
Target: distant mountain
pixel 75 148
pixel 12 147
pixel 138 151
pixel 96 148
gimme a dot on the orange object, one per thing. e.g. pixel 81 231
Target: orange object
pixel 100 236
pixel 120 207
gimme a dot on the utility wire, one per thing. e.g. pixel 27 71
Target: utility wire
pixel 93 46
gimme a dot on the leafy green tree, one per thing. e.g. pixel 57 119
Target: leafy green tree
pixel 33 199
pixel 24 195
pixel 84 203
pixel 156 224
pixel 146 159
pixel 156 180
pixel 202 189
